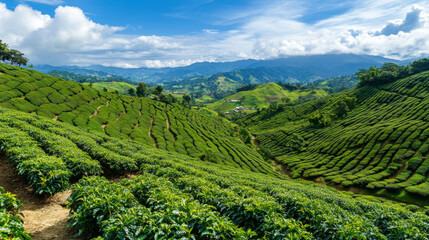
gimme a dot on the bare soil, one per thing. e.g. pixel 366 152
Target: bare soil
pixel 44 218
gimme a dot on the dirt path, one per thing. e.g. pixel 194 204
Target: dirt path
pixel 55 118
pixel 43 218
pixel 98 108
pixel 120 115
pixel 167 123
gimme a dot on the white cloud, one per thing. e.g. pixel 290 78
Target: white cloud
pixel 390 28
pixel 412 21
pixel 272 35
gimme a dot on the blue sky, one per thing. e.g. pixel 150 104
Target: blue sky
pixel 175 17
pixel 162 33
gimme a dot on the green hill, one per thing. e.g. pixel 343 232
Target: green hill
pixel 170 127
pixel 374 138
pixel 121 87
pixel 215 86
pixel 262 96
pixel 174 196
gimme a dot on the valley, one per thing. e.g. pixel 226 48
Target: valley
pixel 129 162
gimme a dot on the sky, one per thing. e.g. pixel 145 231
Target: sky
pixel 171 33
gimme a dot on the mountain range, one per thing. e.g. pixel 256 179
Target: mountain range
pixel 295 68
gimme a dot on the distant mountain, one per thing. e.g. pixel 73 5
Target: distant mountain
pixel 297 68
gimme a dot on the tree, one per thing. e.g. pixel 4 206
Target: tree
pixel 142 90
pixel 186 100
pixel 11 55
pixel 131 92
pixel 17 57
pixel 245 136
pixel 162 98
pixel 90 84
pixel 285 100
pixel 158 90
pixel 104 89
pixel 420 65
pixel 170 99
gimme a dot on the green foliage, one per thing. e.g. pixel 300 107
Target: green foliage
pixel 174 127
pixel 372 137
pixel 245 136
pixel 177 196
pixel 267 95
pixel 390 72
pixel 10 223
pixel 333 111
pixel 142 90
pixel 13 56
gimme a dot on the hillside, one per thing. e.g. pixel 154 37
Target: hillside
pixel 374 138
pixel 153 123
pixel 262 96
pixel 121 87
pixel 216 86
pixel 175 196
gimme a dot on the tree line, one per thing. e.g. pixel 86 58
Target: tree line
pixel 143 90
pixel 390 72
pixel 12 56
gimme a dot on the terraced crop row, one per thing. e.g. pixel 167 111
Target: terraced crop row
pixel 382 144
pixel 169 127
pixel 176 196
pixel 249 206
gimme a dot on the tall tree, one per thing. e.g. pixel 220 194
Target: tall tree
pixel 131 92
pixel 11 55
pixel 142 90
pixel 158 90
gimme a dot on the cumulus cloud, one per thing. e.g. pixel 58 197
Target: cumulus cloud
pixel 70 37
pixel 356 31
pixel 262 32
pixel 412 21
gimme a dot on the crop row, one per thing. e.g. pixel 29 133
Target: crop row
pixel 168 127
pixel 10 223
pixel 382 143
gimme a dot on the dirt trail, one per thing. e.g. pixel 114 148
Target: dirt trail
pixel 120 115
pixel 55 118
pixel 43 218
pixel 98 108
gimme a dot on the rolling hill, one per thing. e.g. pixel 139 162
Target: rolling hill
pixel 124 185
pixel 374 138
pixel 170 127
pixel 173 196
pixel 262 96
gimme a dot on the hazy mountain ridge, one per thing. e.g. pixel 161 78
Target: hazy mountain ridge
pixel 299 67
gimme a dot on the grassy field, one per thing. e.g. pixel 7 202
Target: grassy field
pixel 121 87
pixel 172 196
pixel 262 96
pixel 169 127
pixel 374 138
